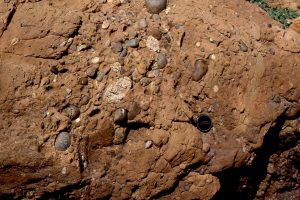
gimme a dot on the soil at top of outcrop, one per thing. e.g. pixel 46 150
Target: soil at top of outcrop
pixel 122 83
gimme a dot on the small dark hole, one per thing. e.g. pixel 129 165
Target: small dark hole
pixel 94 112
pixel 204 123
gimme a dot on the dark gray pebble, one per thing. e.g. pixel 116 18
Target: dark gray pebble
pixel 83 81
pixel 155 6
pixel 161 60
pixel 117 47
pixel 200 69
pixel 123 53
pixel 120 116
pixel 91 72
pixel 62 141
pixel 72 112
pixel 132 43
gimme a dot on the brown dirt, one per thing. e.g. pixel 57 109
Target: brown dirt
pixel 252 96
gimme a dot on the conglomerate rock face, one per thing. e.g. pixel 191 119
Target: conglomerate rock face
pixel 120 83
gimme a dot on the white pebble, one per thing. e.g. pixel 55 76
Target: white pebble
pixel 148 144
pixel 64 170
pixel 213 57
pixel 95 60
pixel 152 43
pixel 116 67
pixel 216 88
pixel 105 24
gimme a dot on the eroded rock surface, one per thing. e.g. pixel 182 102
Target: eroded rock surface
pixel 46 49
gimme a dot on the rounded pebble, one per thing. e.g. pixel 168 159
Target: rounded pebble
pixel 123 53
pixel 100 76
pixel 156 6
pixel 117 47
pixel 161 60
pixel 95 60
pixel 62 141
pixel 91 72
pixel 243 47
pixel 132 43
pixel 120 116
pixel 105 24
pixel 143 23
pixel 84 100
pixel 200 69
pixel 72 112
pixel 145 81
pixel 148 144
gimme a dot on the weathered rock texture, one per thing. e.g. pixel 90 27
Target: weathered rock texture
pixel 248 94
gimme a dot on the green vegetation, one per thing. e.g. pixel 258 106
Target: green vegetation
pixel 279 14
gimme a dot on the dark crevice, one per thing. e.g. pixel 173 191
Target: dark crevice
pixel 243 183
pixel 137 125
pixel 63 193
pixel 9 19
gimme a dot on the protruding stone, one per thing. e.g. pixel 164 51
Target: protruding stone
pixel 152 43
pixel 117 47
pixel 119 136
pixel 120 116
pixel 148 144
pixel 162 60
pixel 200 69
pixel 62 141
pixel 91 72
pixel 72 112
pixel 132 43
pixel 156 6
pixel 116 91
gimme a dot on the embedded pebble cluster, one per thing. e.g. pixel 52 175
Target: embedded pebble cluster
pixel 147 70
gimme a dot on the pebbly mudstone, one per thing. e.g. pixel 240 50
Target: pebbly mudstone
pixel 62 141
